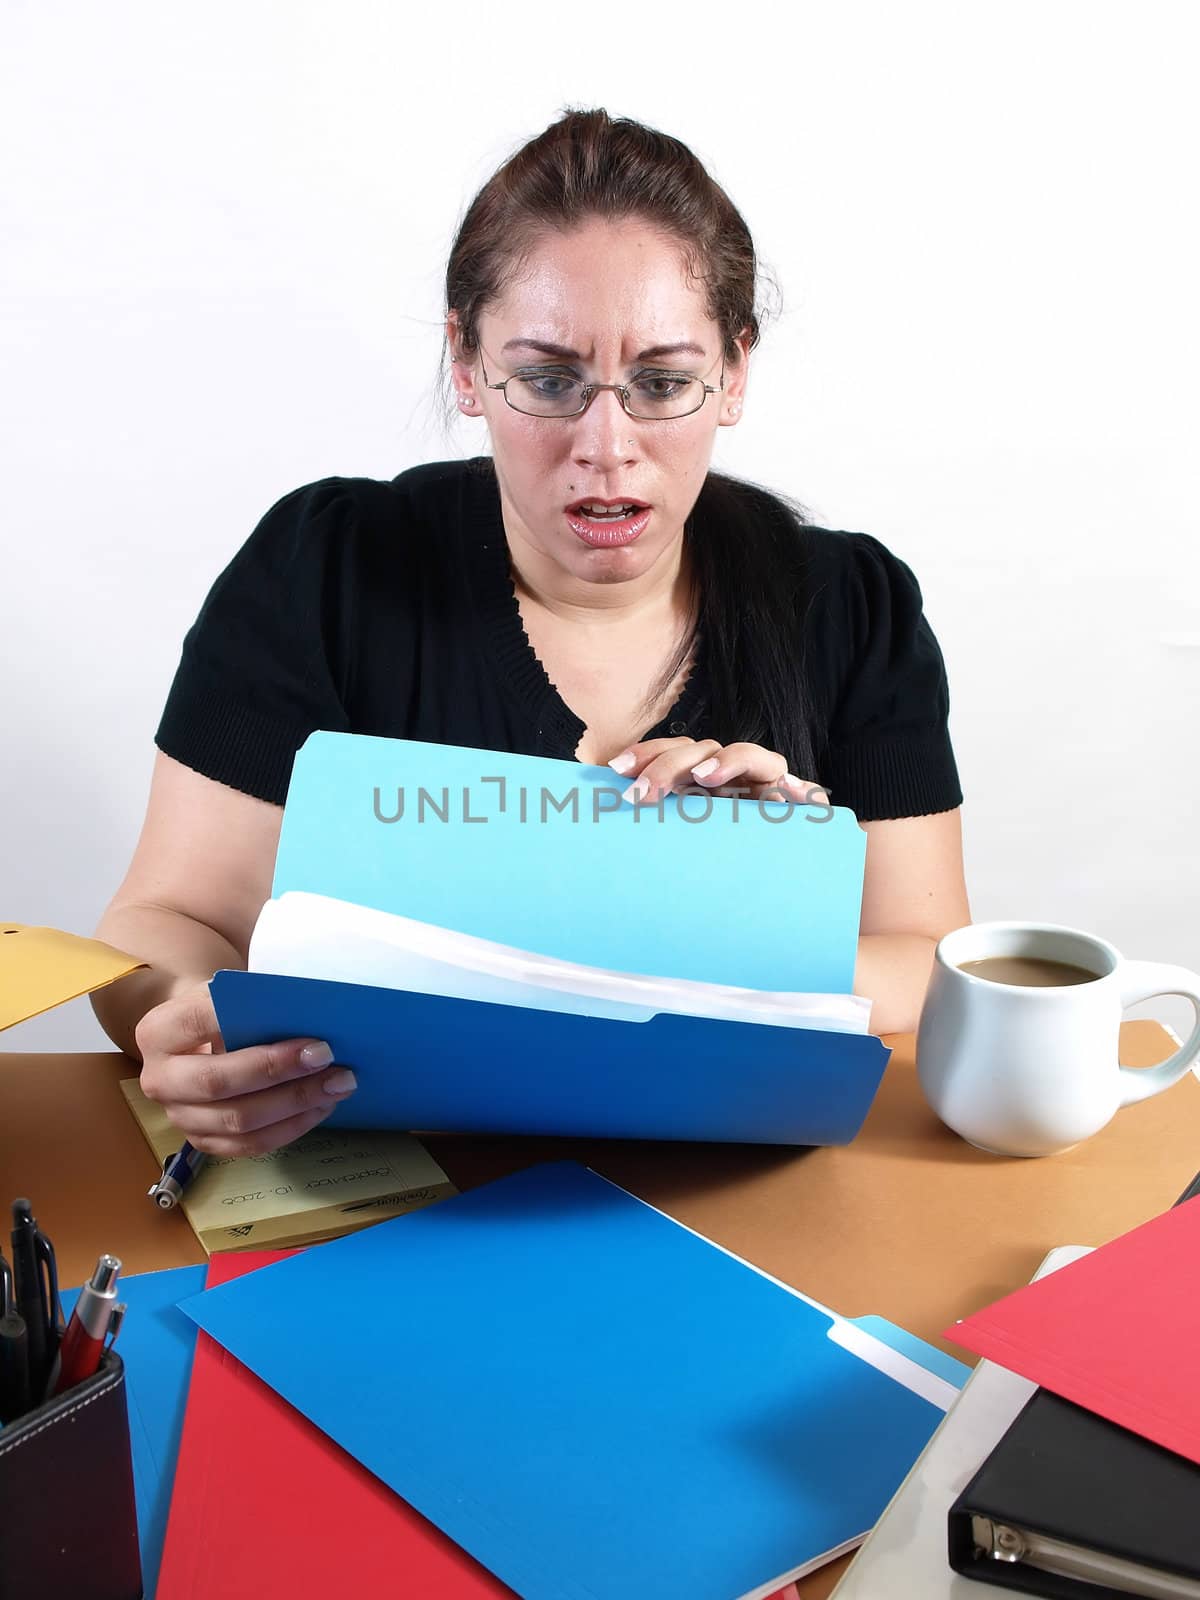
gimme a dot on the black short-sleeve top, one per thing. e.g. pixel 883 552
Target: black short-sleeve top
pixel 387 607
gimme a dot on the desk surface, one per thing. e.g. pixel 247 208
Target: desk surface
pixel 908 1222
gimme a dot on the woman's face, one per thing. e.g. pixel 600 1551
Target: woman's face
pixel 607 296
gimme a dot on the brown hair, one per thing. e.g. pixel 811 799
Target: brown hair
pixel 746 543
pixel 588 164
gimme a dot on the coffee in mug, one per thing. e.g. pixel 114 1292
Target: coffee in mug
pixel 1028 971
pixel 1017 1043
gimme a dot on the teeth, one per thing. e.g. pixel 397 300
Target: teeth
pixel 614 512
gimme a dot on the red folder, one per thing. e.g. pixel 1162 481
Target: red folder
pixel 266 1507
pixel 1115 1332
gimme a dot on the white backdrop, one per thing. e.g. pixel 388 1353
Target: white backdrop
pixel 223 238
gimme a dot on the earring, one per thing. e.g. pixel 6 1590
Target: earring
pixel 465 400
pixel 736 408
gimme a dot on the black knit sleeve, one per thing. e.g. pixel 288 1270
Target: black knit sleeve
pixel 888 748
pixel 262 666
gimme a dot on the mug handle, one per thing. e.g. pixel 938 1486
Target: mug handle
pixel 1144 980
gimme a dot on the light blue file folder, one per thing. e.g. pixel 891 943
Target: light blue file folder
pixel 759 897
pixel 907 1344
pixel 590 1399
pixel 543 855
pixel 156 1343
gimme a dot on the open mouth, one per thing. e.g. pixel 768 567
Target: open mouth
pixel 608 522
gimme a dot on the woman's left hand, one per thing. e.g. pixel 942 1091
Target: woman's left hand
pixel 667 766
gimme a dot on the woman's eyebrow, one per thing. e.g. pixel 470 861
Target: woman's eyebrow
pixel 655 351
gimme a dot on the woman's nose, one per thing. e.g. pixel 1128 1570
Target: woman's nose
pixel 605 433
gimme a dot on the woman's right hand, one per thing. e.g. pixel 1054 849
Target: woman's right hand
pixel 240 1102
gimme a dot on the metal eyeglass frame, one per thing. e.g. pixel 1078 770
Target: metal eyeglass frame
pixel 591 390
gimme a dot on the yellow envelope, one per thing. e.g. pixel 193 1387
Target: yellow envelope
pixel 42 967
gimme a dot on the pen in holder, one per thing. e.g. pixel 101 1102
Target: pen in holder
pixel 69 1525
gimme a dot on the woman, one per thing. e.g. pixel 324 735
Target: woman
pixel 592 590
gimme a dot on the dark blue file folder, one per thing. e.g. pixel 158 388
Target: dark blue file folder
pixel 427 1062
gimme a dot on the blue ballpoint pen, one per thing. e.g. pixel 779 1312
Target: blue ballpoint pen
pixel 178 1171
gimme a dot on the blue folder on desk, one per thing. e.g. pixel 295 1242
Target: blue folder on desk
pixel 590 1398
pixel 157 1342
pixel 544 855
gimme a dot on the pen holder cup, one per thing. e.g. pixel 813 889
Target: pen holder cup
pixel 68 1519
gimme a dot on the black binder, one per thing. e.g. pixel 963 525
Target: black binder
pixel 1071 1506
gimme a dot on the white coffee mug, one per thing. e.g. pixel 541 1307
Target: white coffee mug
pixel 1026 1071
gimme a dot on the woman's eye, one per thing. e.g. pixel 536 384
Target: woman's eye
pixel 661 385
pixel 552 385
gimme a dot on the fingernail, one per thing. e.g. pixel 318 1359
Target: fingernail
pixel 809 793
pixel 705 767
pixel 637 791
pixel 623 763
pixel 340 1082
pixel 315 1056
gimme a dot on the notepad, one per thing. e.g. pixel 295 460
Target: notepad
pixel 327 1182
pixel 588 1397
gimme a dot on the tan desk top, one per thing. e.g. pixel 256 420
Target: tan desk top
pixel 907 1222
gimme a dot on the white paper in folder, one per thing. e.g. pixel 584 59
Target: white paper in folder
pixel 303 935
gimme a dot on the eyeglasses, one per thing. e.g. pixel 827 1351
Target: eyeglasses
pixel 651 397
